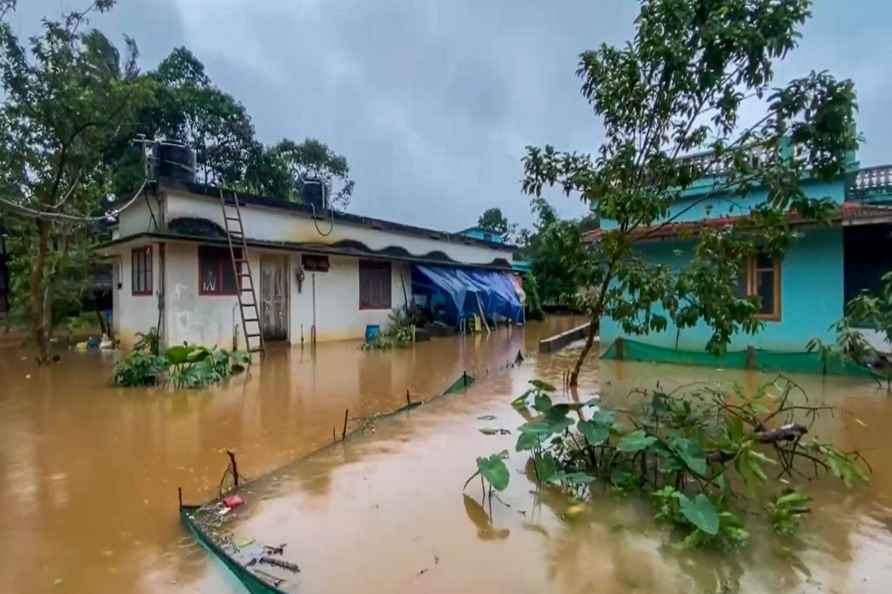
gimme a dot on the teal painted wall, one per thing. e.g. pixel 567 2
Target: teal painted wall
pixel 733 205
pixel 811 296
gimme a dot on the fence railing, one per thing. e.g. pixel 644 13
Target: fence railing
pixel 871 181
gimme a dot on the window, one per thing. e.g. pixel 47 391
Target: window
pixel 374 285
pixel 215 274
pixel 141 271
pixel 761 278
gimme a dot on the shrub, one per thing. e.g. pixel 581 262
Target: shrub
pixel 140 369
pixel 185 366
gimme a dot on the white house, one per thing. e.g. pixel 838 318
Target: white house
pixel 328 273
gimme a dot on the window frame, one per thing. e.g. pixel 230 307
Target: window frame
pixel 752 272
pixel 146 255
pixel 382 265
pixel 221 263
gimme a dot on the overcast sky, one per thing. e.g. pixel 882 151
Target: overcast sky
pixel 432 102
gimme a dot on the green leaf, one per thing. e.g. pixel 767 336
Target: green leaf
pixel 546 467
pixel 540 385
pixel 700 512
pixel 604 417
pixel 691 454
pixel 527 441
pixel 635 442
pixel 177 355
pixel 542 403
pixel 494 470
pixel 594 433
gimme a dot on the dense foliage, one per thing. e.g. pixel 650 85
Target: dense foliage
pixel 72 104
pixel 184 366
pixel 69 96
pixel 702 454
pixel 682 85
pixel 494 221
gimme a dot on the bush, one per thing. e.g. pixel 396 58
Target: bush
pixel 185 366
pixel 400 332
pixel 140 369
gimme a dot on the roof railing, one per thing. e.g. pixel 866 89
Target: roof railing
pixel 871 181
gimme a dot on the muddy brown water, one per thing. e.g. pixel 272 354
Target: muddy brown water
pixel 89 472
pixel 385 512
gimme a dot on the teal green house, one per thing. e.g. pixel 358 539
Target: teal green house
pixel 801 294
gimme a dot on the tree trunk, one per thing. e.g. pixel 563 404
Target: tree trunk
pixel 39 306
pixel 589 342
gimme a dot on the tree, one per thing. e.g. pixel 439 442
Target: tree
pixel 311 159
pixel 679 86
pixel 67 98
pixel 494 221
pixel 189 108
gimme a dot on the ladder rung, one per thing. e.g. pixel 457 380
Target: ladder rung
pixel 251 335
pixel 251 320
pixel 248 274
pixel 228 218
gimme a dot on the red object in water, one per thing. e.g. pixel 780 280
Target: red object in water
pixel 233 501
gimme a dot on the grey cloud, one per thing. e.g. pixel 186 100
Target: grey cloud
pixel 432 102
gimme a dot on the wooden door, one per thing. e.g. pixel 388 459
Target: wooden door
pixel 274 297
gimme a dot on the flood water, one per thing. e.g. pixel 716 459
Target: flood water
pixel 89 472
pixel 385 511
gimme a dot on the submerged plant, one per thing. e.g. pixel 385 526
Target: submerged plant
pixel 185 366
pixel 692 450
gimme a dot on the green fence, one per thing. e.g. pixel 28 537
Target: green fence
pixel 752 358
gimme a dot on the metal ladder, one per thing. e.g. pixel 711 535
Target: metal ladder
pixel 241 267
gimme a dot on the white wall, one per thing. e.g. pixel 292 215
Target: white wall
pixel 279 225
pixel 135 313
pixel 137 218
pixel 338 316
pixel 201 319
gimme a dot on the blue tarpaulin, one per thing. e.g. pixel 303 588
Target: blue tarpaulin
pixel 463 291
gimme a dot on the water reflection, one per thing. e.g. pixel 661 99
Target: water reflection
pixel 89 472
pixel 393 502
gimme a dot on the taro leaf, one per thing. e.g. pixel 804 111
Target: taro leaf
pixel 489 431
pixel 539 427
pixel 540 385
pixel 494 470
pixel 691 454
pixel 557 412
pixel 594 433
pixel 700 512
pixel 520 403
pixel 527 441
pixel 177 355
pixel 604 417
pixel 487 418
pixel 197 354
pixel 635 442
pixel 546 467
pixel 542 403
pixel 545 426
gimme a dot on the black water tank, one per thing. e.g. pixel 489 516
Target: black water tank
pixel 173 161
pixel 313 192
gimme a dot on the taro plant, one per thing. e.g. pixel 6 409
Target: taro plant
pixel 492 470
pixel 703 454
pixel 140 368
pixel 184 366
